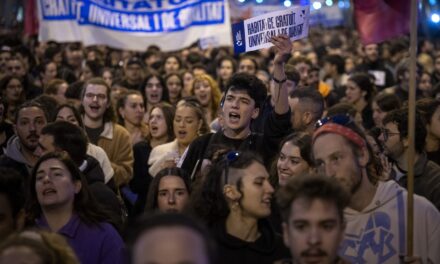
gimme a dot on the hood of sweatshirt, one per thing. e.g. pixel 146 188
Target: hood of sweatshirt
pixel 12 150
pixel 92 170
pixel 386 192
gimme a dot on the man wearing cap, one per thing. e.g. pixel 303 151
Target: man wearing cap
pixel 133 74
pixel 376 214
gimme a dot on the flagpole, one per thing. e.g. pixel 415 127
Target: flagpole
pixel 411 127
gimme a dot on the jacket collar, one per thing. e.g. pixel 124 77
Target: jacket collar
pixel 108 130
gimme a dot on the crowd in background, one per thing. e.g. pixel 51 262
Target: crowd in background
pixel 141 132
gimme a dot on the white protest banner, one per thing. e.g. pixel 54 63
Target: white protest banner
pixel 255 33
pixel 209 42
pixel 134 24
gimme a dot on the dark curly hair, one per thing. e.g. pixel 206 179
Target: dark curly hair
pixel 209 202
pixel 253 86
pixel 400 118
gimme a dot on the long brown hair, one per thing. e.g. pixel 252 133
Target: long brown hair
pixel 84 203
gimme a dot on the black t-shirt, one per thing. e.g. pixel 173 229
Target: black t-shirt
pixel 94 133
pixel 266 145
pixel 267 249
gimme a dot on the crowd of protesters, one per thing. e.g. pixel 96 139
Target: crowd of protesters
pixel 293 154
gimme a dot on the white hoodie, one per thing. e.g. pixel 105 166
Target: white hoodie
pixel 378 233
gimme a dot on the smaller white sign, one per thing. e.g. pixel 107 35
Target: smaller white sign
pixel 255 33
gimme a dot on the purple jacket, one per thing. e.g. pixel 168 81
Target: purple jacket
pixel 92 243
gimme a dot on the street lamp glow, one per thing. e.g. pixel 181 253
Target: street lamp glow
pixel 317 5
pixel 287 3
pixel 435 18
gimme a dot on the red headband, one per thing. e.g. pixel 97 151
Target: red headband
pixel 341 130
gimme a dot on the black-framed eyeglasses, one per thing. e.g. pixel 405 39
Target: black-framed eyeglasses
pixel 230 157
pixel 341 119
pixel 386 133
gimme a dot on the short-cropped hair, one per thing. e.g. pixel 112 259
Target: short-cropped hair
pixel 147 223
pixel 311 187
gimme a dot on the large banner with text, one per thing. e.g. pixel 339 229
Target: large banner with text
pixel 135 24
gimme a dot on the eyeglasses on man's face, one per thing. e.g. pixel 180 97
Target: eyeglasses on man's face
pixel 387 133
pixel 92 96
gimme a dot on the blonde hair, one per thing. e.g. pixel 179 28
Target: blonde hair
pixel 216 94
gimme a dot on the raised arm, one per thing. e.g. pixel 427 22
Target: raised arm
pixel 283 48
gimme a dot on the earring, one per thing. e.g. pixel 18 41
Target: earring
pixel 235 206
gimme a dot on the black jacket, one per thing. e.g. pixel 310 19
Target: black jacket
pixel 268 248
pixel 379 66
pixel 105 197
pixel 141 177
pixel 426 180
pixel 266 145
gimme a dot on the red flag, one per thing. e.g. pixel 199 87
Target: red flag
pixel 30 18
pixel 379 20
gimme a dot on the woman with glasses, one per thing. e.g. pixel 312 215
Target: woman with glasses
pixel 189 123
pixel 206 90
pixel 169 191
pixel 359 92
pixel 60 201
pixel 154 91
pixel 234 202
